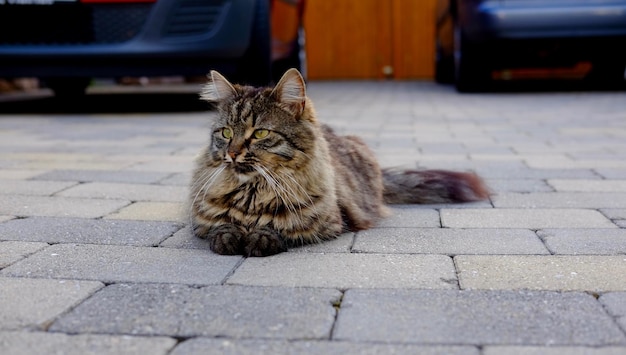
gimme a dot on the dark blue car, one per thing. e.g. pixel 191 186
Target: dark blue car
pixel 478 41
pixel 68 42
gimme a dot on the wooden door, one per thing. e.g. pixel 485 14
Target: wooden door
pixel 369 39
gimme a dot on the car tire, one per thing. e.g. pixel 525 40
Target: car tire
pixel 471 74
pixel 68 87
pixel 255 67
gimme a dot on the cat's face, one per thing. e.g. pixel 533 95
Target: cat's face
pixel 259 131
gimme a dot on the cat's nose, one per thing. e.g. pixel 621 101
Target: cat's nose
pixel 233 153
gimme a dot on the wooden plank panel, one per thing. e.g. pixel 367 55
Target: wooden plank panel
pixel 347 39
pixel 413 35
pixel 356 39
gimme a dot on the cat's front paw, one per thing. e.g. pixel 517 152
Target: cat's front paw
pixel 226 239
pixel 263 242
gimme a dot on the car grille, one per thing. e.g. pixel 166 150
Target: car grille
pixel 118 23
pixel 193 17
pixel 72 24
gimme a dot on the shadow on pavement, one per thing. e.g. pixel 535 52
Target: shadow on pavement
pixel 104 103
pixel 188 101
pixel 538 86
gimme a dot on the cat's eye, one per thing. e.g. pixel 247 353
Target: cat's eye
pixel 261 133
pixel 227 133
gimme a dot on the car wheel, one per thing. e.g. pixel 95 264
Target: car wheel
pixel 471 74
pixel 67 87
pixel 255 66
pixel 444 66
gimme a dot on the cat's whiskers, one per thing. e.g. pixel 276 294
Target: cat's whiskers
pixel 300 221
pixel 301 189
pixel 278 188
pixel 311 205
pixel 207 179
pixel 284 193
pixel 211 180
pixel 274 186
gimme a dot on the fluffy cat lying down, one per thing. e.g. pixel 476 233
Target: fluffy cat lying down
pixel 272 176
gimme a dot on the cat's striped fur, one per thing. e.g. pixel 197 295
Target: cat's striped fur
pixel 273 176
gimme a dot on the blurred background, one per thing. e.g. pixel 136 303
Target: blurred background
pixel 69 46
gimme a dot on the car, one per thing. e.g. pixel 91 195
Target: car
pixel 479 41
pixel 66 43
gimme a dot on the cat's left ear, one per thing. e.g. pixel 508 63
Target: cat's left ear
pixel 291 92
pixel 217 89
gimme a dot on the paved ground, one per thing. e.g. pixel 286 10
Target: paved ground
pixel 95 255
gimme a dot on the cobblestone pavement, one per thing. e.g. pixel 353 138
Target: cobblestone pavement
pixel 96 256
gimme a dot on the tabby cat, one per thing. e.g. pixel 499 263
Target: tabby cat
pixel 273 177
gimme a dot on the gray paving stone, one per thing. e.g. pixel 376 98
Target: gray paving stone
pixel 439 206
pixel 35 303
pixel 448 241
pixel 615 304
pixel 553 350
pixel 131 177
pixel 11 252
pixel 58 206
pixel 612 173
pixel 214 311
pixel 526 218
pixel 133 192
pixel 18 174
pixel 408 216
pixel 561 200
pixel 555 173
pixel 176 165
pixel 581 185
pixel 343 271
pixel 439 148
pixel 6 218
pixel 89 163
pixel 152 211
pixel 112 263
pixel 185 240
pixel 552 162
pixel 621 223
pixel 518 185
pixel 56 343
pixel 614 213
pixel 585 241
pixel 341 244
pixel 35 188
pixel 514 169
pixel 87 231
pixel 201 346
pixel 475 317
pixel 177 179
pixel 542 272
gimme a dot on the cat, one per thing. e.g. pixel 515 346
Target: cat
pixel 273 177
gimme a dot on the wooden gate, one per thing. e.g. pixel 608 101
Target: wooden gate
pixel 369 39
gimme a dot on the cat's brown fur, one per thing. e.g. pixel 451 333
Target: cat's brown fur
pixel 273 176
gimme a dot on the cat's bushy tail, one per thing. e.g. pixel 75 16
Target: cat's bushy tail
pixel 432 186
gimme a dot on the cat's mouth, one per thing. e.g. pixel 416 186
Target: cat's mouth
pixel 243 169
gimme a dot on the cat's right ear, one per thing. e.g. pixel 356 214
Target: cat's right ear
pixel 217 89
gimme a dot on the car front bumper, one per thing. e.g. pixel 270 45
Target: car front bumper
pixel 157 49
pixel 515 19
